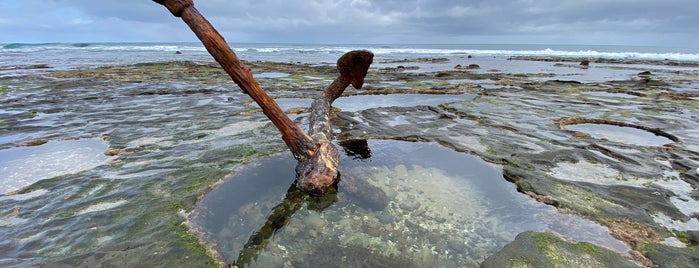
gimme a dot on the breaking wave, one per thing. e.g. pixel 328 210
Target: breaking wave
pixel 610 52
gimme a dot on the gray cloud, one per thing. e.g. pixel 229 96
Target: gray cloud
pixel 669 23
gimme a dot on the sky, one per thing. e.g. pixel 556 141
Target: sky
pixel 669 23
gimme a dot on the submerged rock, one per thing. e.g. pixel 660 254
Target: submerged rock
pixel 366 194
pixel 546 249
pixel 356 148
pixel 34 142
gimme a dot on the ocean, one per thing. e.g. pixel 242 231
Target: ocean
pixel 78 55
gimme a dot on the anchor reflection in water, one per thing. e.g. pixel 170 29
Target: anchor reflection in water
pixel 280 216
pixel 293 201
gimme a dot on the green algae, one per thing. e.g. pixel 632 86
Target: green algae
pixel 669 256
pixel 580 200
pixel 201 179
pixel 167 195
pixel 591 202
pixel 545 249
pixel 194 247
pixel 177 200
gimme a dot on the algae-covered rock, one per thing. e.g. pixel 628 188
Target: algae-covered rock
pixel 668 256
pixel 546 249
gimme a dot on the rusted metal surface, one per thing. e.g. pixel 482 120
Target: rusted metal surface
pixel 318 158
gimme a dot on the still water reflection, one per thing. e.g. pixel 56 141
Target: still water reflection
pixel 401 205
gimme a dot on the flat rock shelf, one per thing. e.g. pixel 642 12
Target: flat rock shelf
pixel 176 129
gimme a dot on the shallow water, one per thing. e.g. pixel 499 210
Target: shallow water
pixel 628 135
pixel 363 102
pixel 609 94
pixel 539 70
pixel 444 209
pixel 22 166
pixel 271 75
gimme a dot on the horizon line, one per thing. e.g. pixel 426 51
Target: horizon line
pixel 340 44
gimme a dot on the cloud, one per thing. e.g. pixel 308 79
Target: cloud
pixel 640 22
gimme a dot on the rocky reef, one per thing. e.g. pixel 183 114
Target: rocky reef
pixel 614 143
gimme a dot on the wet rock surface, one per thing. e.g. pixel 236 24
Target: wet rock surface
pixel 180 127
pixel 532 249
pixel 517 124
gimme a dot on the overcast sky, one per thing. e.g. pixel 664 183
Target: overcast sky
pixel 672 23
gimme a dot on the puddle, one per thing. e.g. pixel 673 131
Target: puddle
pixel 271 75
pixel 22 166
pixel 441 208
pixel 393 83
pixel 602 174
pixel 364 102
pixel 398 120
pixel 288 103
pixel 686 87
pixel 310 77
pixel 594 74
pixel 25 196
pixel 608 94
pixel 206 101
pixel 691 225
pixel 101 207
pixel 497 86
pixel 596 173
pixel 12 138
pixel 628 135
pixel 471 81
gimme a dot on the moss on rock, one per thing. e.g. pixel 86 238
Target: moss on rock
pixel 546 249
